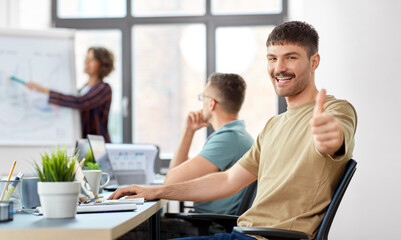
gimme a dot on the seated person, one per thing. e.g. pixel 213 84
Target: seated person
pixel 222 99
pixel 298 158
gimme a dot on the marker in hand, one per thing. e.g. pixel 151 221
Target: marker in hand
pixel 327 130
pixel 15 79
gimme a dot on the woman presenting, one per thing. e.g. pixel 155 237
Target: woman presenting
pixel 94 98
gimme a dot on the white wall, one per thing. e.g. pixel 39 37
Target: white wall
pixel 360 48
pixel 25 157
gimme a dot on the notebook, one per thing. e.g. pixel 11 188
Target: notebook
pixel 123 204
pixel 100 207
pixel 105 207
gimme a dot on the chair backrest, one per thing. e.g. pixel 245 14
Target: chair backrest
pixel 247 199
pixel 335 201
pixel 158 162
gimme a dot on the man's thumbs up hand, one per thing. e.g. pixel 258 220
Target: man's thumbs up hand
pixel 320 100
pixel 327 131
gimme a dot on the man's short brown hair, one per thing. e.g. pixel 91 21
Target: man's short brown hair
pixel 295 32
pixel 231 90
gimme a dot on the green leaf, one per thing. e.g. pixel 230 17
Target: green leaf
pixel 89 156
pixel 57 166
pixel 92 166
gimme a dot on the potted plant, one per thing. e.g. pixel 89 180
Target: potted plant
pixel 92 166
pixel 58 191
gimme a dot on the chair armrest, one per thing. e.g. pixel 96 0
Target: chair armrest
pixel 203 217
pixel 212 217
pixel 227 221
pixel 271 233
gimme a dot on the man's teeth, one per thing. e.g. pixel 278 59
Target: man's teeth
pixel 286 79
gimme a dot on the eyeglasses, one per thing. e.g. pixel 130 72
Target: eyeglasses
pixel 202 96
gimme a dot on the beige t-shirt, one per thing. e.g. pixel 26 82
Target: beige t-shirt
pixel 295 181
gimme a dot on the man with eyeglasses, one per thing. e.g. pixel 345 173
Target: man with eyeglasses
pixel 222 99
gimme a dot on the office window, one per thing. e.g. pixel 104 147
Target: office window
pixel 91 8
pixel 231 7
pixel 242 50
pixel 146 8
pixel 19 14
pixel 169 72
pixel 110 39
pixel 170 47
pixel 38 19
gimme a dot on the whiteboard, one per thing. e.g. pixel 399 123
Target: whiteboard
pixel 47 58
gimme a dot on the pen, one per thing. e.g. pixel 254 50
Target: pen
pixel 82 162
pixel 13 186
pixel 15 79
pixel 8 179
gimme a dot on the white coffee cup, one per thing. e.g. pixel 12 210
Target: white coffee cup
pixel 93 177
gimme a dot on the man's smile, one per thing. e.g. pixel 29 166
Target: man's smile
pixel 284 77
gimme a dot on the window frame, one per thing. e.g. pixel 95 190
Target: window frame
pixel 125 25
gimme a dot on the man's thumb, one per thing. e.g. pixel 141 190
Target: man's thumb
pixel 320 100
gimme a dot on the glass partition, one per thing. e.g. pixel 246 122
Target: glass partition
pixel 242 50
pixel 169 72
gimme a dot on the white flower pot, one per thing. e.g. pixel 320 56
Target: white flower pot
pixel 59 199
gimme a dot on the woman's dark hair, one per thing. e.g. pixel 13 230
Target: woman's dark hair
pixel 106 59
pixel 295 32
pixel 231 90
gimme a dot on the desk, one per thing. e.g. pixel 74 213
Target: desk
pixel 86 226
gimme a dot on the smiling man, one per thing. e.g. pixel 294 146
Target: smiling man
pixel 298 158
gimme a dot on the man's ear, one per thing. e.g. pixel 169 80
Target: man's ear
pixel 315 60
pixel 212 104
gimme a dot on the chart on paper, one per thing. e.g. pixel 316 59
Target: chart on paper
pixel 26 116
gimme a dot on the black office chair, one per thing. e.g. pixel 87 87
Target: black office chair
pixel 324 226
pixel 160 163
pixel 203 220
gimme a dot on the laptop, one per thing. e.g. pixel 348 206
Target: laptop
pixel 82 148
pixel 99 151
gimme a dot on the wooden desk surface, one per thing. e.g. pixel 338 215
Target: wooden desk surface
pixel 86 226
